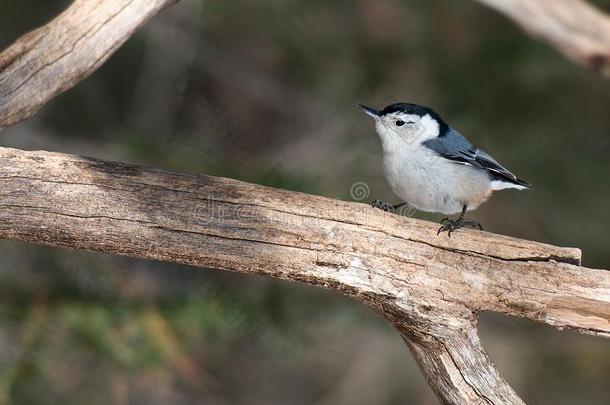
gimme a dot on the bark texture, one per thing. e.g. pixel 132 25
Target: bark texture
pixel 54 58
pixel 575 28
pixel 430 287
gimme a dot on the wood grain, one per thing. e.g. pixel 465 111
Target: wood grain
pixel 430 287
pixel 54 58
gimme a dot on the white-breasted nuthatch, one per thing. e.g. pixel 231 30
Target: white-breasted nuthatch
pixel 433 167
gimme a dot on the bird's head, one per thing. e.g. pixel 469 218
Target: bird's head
pixel 401 123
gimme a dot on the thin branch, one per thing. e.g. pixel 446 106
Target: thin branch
pixel 575 28
pixel 54 58
pixel 430 288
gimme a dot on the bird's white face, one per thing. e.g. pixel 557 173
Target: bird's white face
pixel 401 128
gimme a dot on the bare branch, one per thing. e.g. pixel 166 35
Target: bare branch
pixel 457 359
pixel 54 58
pixel 430 288
pixel 578 30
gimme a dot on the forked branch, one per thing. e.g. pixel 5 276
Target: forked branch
pixel 430 288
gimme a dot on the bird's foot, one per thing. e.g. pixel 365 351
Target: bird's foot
pixel 383 205
pixel 451 225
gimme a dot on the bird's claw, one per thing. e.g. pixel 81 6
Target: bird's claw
pixel 450 225
pixel 382 206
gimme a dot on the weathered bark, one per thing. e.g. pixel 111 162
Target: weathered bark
pixel 578 30
pixel 430 287
pixel 54 58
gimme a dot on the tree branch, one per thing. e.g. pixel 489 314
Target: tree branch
pixel 430 288
pixel 54 58
pixel 578 30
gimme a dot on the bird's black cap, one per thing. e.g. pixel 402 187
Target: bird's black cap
pixel 415 109
pixel 408 108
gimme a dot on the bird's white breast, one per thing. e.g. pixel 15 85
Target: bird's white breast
pixel 432 183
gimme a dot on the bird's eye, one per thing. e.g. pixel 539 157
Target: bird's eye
pixel 400 123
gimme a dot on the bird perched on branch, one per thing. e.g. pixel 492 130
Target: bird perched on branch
pixel 433 167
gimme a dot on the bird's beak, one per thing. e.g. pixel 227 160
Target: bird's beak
pixel 370 111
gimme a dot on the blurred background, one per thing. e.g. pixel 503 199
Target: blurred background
pixel 266 91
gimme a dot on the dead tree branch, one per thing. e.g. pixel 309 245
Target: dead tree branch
pixel 54 58
pixel 575 28
pixel 430 288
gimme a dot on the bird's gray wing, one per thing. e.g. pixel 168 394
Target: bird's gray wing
pixel 454 146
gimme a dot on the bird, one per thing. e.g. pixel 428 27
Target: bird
pixel 432 167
